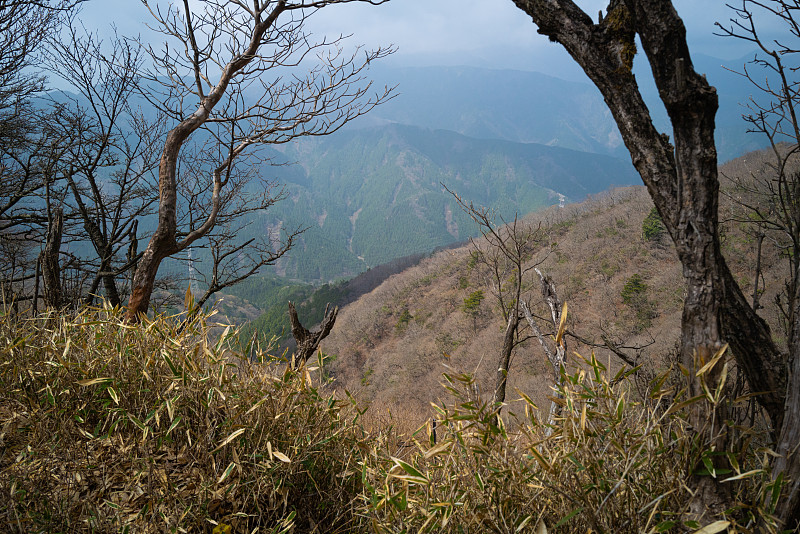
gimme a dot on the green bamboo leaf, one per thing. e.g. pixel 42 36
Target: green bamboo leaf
pixel 136 422
pixel 227 472
pixel 479 481
pixel 412 474
pixel 113 394
pixel 175 423
pixel 709 466
pixel 569 516
pixel 777 486
pixel 171 365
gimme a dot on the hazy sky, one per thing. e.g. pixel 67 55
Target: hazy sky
pixel 492 33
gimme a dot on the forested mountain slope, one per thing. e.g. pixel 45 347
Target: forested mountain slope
pixel 369 196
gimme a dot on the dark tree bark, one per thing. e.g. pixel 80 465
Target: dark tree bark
pixel 509 342
pixel 51 270
pixel 788 461
pixel 773 194
pixel 308 341
pixel 37 276
pixel 683 182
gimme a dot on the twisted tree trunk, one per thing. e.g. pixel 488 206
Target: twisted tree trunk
pixel 683 182
pixel 505 357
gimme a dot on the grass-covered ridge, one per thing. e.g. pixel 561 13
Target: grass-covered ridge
pixel 108 427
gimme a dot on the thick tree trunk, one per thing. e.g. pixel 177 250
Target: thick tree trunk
pixel 145 277
pixel 163 243
pixel 51 270
pixel 788 445
pixel 682 182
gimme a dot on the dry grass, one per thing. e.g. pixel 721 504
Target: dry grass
pixel 108 427
pixel 607 464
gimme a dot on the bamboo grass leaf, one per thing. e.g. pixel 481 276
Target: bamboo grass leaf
pixel 562 326
pixel 93 381
pixel 282 457
pixel 713 528
pixel 227 472
pixel 230 438
pixel 412 474
pixel 707 367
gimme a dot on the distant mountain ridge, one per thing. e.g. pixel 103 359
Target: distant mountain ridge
pixel 372 192
pixel 521 106
pixel 532 107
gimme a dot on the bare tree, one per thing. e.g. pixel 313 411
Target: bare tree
pixel 233 262
pixel 24 26
pixel 25 154
pixel 506 254
pixel 683 182
pixel 225 50
pixel 31 194
pixel 110 158
pixel 51 266
pixel 558 355
pixel 772 194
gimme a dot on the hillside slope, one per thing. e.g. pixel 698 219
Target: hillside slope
pixel 393 344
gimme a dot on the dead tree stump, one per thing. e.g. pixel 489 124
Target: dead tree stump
pixel 308 341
